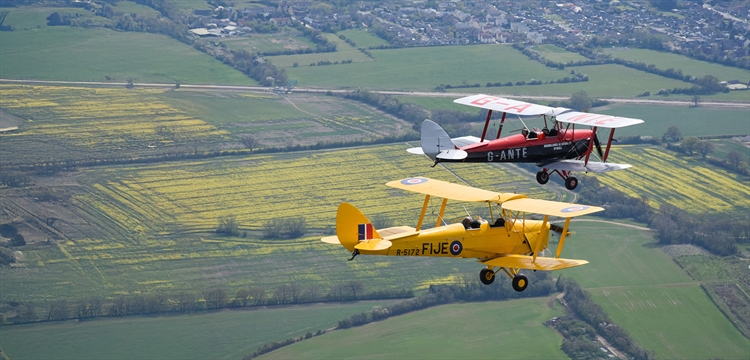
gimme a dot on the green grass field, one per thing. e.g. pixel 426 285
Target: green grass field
pixel 692 121
pixel 666 60
pixel 343 52
pixel 363 38
pixel 677 322
pixel 557 54
pixel 425 68
pixel 37 51
pixel 492 330
pixel 228 334
pixel 646 293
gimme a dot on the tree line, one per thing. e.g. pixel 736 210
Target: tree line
pixel 188 302
pixel 673 225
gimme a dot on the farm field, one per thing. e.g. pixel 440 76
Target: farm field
pixel 558 54
pixel 692 121
pixel 667 60
pixel 227 334
pixel 663 318
pixel 151 227
pixel 646 293
pixel 363 38
pixel 474 330
pixel 678 180
pixel 422 69
pixel 83 124
pixel 79 54
pixel 344 52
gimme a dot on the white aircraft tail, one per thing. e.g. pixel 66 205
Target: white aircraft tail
pixel 436 143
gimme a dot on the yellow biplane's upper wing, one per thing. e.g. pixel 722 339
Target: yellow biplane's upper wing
pixel 528 262
pixel 551 208
pixel 450 190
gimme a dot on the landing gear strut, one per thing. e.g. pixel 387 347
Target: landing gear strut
pixel 354 254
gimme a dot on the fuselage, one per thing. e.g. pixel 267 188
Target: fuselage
pixel 565 144
pixel 455 240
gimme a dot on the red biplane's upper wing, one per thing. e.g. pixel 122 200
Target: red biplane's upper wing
pixel 517 107
pixel 589 119
pixel 509 106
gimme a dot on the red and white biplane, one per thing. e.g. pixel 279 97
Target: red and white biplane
pixel 561 149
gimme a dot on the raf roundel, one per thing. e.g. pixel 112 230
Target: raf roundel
pixel 574 209
pixel 414 181
pixel 456 248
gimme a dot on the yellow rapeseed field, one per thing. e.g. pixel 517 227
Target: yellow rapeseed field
pixel 678 180
pixel 102 118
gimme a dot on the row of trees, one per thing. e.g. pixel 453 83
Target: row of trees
pixel 210 299
pixel 673 225
pixel 734 161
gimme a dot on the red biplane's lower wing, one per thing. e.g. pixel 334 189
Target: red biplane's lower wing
pixel 581 166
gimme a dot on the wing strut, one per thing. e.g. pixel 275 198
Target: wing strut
pixel 539 238
pixel 424 209
pixel 591 146
pixel 562 238
pixel 442 210
pixel 487 123
pixel 609 144
pixel 500 129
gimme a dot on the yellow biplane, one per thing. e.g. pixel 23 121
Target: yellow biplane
pixel 509 242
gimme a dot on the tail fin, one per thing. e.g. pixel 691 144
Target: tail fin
pixel 352 226
pixel 436 143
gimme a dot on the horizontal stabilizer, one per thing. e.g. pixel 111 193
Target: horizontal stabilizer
pixel 373 245
pixel 525 262
pixel 331 240
pixel 452 155
pixel 581 166
pixel 416 151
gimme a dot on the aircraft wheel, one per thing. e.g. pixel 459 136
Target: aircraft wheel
pixel 520 282
pixel 542 177
pixel 486 276
pixel 571 182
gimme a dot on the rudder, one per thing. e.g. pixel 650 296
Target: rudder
pixel 352 226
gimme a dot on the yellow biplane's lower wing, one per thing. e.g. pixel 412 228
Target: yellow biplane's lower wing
pixel 527 262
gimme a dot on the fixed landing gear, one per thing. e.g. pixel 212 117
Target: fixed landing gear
pixel 571 182
pixel 520 282
pixel 487 276
pixel 354 254
pixel 542 177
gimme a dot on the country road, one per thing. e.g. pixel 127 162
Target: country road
pixel 241 88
